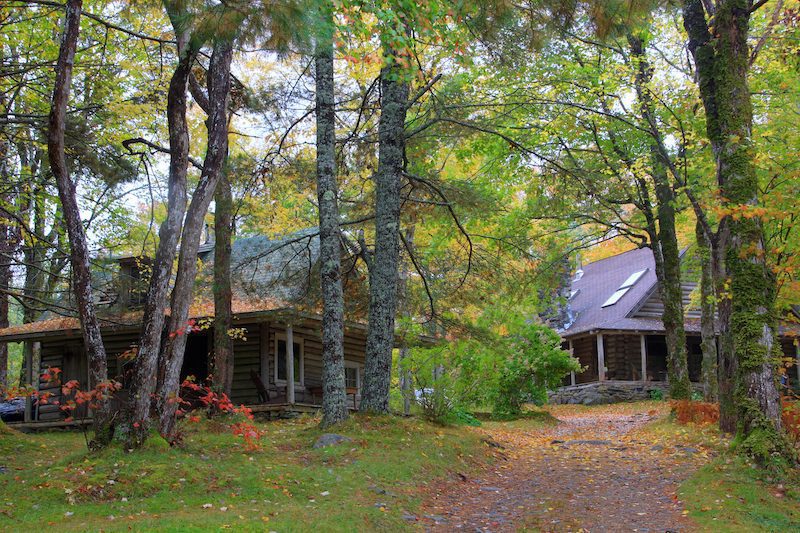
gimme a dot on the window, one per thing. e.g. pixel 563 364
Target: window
pixel 280 360
pixel 624 288
pixel 352 375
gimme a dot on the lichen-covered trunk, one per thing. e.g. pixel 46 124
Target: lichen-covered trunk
pixel 664 240
pixel 7 248
pixel 222 362
pixel 79 249
pixel 144 379
pixel 671 292
pixel 383 274
pixel 334 397
pixel 708 344
pixel 171 359
pixel 722 60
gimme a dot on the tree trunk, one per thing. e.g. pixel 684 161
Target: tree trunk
pixel 707 308
pixel 79 251
pixel 404 352
pixel 171 361
pixel 665 246
pixel 383 274
pixel 722 64
pixel 143 383
pixel 222 367
pixel 334 396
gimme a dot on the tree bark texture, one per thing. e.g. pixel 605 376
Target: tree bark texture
pixel 7 249
pixel 79 251
pixel 219 85
pixel 384 271
pixel 708 343
pixel 334 396
pixel 722 62
pixel 222 366
pixel 665 247
pixel 143 383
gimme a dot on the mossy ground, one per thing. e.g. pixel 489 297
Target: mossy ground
pixel 731 494
pixel 213 482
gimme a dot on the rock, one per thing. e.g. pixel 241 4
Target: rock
pixel 436 518
pixel 492 443
pixel 657 448
pixel 591 442
pixel 408 517
pixel 492 489
pixel 690 451
pixel 330 439
pixel 556 441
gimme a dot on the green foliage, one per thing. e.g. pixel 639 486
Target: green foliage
pixel 504 370
pixel 657 394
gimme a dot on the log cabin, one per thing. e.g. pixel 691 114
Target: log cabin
pixel 277 344
pixel 613 325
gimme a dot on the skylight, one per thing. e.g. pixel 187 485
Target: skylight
pixel 624 288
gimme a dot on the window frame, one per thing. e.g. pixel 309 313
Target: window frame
pixel 299 341
pixel 357 366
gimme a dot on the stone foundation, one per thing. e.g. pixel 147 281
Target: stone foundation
pixel 602 392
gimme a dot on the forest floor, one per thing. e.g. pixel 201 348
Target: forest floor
pixel 624 467
pixel 564 468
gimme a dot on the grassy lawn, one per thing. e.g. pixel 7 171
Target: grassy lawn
pixel 214 482
pixel 729 494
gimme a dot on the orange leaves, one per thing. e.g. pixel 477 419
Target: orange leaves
pixel 790 416
pixel 687 411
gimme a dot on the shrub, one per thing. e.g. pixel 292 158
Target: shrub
pixel 657 395
pixel 503 370
pixel 790 416
pixel 688 411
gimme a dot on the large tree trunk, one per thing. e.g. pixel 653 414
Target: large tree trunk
pixel 665 245
pixel 222 365
pixel 7 246
pixel 79 251
pixel 722 62
pixel 708 343
pixel 219 85
pixel 143 383
pixel 383 274
pixel 334 396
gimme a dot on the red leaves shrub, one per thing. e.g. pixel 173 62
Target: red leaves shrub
pixel 701 413
pixel 790 416
pixel 195 397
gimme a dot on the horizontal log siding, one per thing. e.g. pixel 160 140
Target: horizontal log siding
pixel 247 356
pixel 623 357
pixel 585 349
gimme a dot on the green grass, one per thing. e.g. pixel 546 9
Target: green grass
pixel 729 494
pixel 214 482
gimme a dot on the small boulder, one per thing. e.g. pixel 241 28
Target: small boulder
pixel 330 439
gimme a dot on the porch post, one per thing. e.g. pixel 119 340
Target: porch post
pixel 643 351
pixel 601 358
pixel 571 374
pixel 289 364
pixel 263 350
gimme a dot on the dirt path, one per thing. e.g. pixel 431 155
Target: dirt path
pixel 596 470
